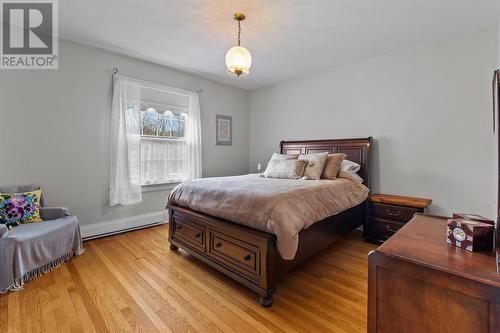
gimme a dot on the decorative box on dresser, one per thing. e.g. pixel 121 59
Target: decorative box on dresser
pixel 419 283
pixel 388 213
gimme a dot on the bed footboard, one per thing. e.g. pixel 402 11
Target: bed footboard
pixel 239 252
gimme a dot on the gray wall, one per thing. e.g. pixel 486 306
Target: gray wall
pixel 54 129
pixel 429 109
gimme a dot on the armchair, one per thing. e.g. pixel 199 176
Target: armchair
pixel 53 213
pixel 32 249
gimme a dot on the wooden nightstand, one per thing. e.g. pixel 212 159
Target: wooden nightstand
pixel 388 213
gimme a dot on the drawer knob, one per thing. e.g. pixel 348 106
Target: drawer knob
pixel 247 257
pixel 388 228
pixel 218 244
pixel 393 213
pixel 178 227
pixel 197 235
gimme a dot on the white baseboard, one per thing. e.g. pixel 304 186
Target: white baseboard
pixel 106 228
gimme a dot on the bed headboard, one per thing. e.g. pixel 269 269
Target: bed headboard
pixel 357 150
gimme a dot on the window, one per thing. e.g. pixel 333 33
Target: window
pixel 156 137
pixel 163 117
pixel 162 144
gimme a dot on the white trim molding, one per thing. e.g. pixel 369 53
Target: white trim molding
pixel 106 228
pixel 158 187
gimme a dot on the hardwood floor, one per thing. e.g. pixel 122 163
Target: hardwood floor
pixel 133 283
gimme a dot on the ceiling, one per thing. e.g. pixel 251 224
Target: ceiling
pixel 287 38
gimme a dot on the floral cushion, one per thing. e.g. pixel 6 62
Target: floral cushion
pixel 20 207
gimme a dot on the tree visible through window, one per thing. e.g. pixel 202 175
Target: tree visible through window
pixel 163 125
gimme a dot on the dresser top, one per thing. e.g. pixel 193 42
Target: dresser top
pixel 400 200
pixel 423 241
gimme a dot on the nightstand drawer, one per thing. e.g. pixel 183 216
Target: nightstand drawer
pixel 388 213
pixel 385 228
pixel 393 212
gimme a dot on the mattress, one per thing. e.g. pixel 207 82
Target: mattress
pixel 283 207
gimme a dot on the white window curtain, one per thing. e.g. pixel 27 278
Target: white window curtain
pixel 138 159
pixel 192 150
pixel 125 184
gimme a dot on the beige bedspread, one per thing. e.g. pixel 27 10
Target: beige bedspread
pixel 280 206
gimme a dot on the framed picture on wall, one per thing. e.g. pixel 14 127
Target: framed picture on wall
pixel 224 135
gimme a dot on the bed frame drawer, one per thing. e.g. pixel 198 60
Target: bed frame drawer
pixel 189 233
pixel 239 255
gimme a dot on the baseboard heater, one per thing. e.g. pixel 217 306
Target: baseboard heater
pixel 108 228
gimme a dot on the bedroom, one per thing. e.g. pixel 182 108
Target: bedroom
pixel 408 84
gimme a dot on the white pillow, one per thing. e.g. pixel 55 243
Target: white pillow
pixel 289 169
pixel 355 175
pixel 348 166
pixel 315 164
pixel 350 175
pixel 280 157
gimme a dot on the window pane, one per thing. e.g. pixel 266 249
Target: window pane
pixel 162 161
pixel 182 124
pixel 171 125
pixel 165 128
pixel 150 122
pixel 132 119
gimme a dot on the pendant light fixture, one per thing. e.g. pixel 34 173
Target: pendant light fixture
pixel 238 58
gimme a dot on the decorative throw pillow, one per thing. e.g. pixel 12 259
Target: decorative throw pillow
pixel 20 207
pixel 350 175
pixel 315 164
pixel 277 156
pixel 289 169
pixel 347 165
pixel 332 165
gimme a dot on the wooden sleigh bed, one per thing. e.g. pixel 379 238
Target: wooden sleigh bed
pixel 250 256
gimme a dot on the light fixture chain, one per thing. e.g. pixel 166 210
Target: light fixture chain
pixel 239 33
pixel 238 58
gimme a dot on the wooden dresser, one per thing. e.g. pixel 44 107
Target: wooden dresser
pixel 388 213
pixel 419 283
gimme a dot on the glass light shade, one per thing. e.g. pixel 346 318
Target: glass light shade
pixel 238 60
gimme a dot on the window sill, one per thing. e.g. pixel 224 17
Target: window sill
pixel 158 187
